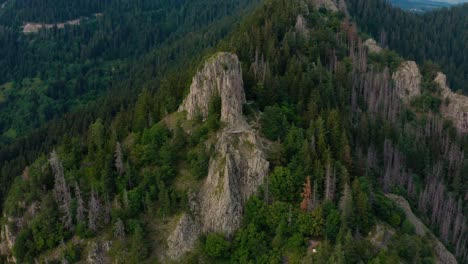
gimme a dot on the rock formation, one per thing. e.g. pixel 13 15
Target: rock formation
pixel 221 76
pixel 372 46
pixel 442 254
pixel 381 235
pixel 238 166
pixel 236 170
pixel 454 106
pixel 301 25
pixel 183 238
pixel 407 80
pixel 7 241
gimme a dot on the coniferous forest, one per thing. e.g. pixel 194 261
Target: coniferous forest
pixel 439 36
pixel 100 164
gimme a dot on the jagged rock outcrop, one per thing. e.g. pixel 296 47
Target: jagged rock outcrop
pixel 407 80
pixel 238 166
pixel 443 256
pixel 236 170
pixel 454 106
pixel 381 235
pixel 372 46
pixel 7 241
pixel 183 238
pixel 221 76
pixel 301 25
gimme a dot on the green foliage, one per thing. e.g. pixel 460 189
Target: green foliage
pixel 332 225
pixel 44 232
pixel 72 253
pixel 274 123
pixel 281 184
pixel 198 159
pixel 216 246
pixel 414 249
pixel 250 245
pixel 304 96
pixel 214 114
pixel 388 211
pixel 420 37
pixel 426 102
pixel 385 58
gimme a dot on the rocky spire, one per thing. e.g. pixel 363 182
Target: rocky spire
pixel 454 106
pixel 238 165
pixel 407 80
pixel 221 76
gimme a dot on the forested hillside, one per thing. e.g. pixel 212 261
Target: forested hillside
pixel 440 35
pixel 46 75
pixel 227 132
pixel 38 112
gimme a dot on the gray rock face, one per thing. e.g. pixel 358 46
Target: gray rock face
pixel 220 76
pixel 301 25
pixel 236 169
pixel 372 46
pixel 183 238
pixel 454 106
pixel 380 236
pixel 7 241
pixel 407 80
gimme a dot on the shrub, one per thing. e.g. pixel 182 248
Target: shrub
pixel 216 246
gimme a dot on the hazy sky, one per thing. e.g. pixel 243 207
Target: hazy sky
pixel 452 1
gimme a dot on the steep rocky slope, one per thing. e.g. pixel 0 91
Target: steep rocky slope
pixel 238 166
pixel 454 106
pixel 443 255
pixel 407 80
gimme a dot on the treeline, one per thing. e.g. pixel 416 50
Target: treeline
pixel 440 35
pixel 48 11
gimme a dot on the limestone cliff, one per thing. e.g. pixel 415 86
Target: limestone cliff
pixel 238 166
pixel 183 238
pixel 372 46
pixel 454 106
pixel 407 80
pixel 221 76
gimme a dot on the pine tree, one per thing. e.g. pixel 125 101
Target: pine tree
pixel 94 211
pixel 346 206
pixel 306 204
pixel 164 200
pixel 61 192
pixel 330 179
pixel 119 165
pixel 80 209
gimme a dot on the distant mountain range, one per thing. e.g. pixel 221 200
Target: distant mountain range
pixel 425 5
